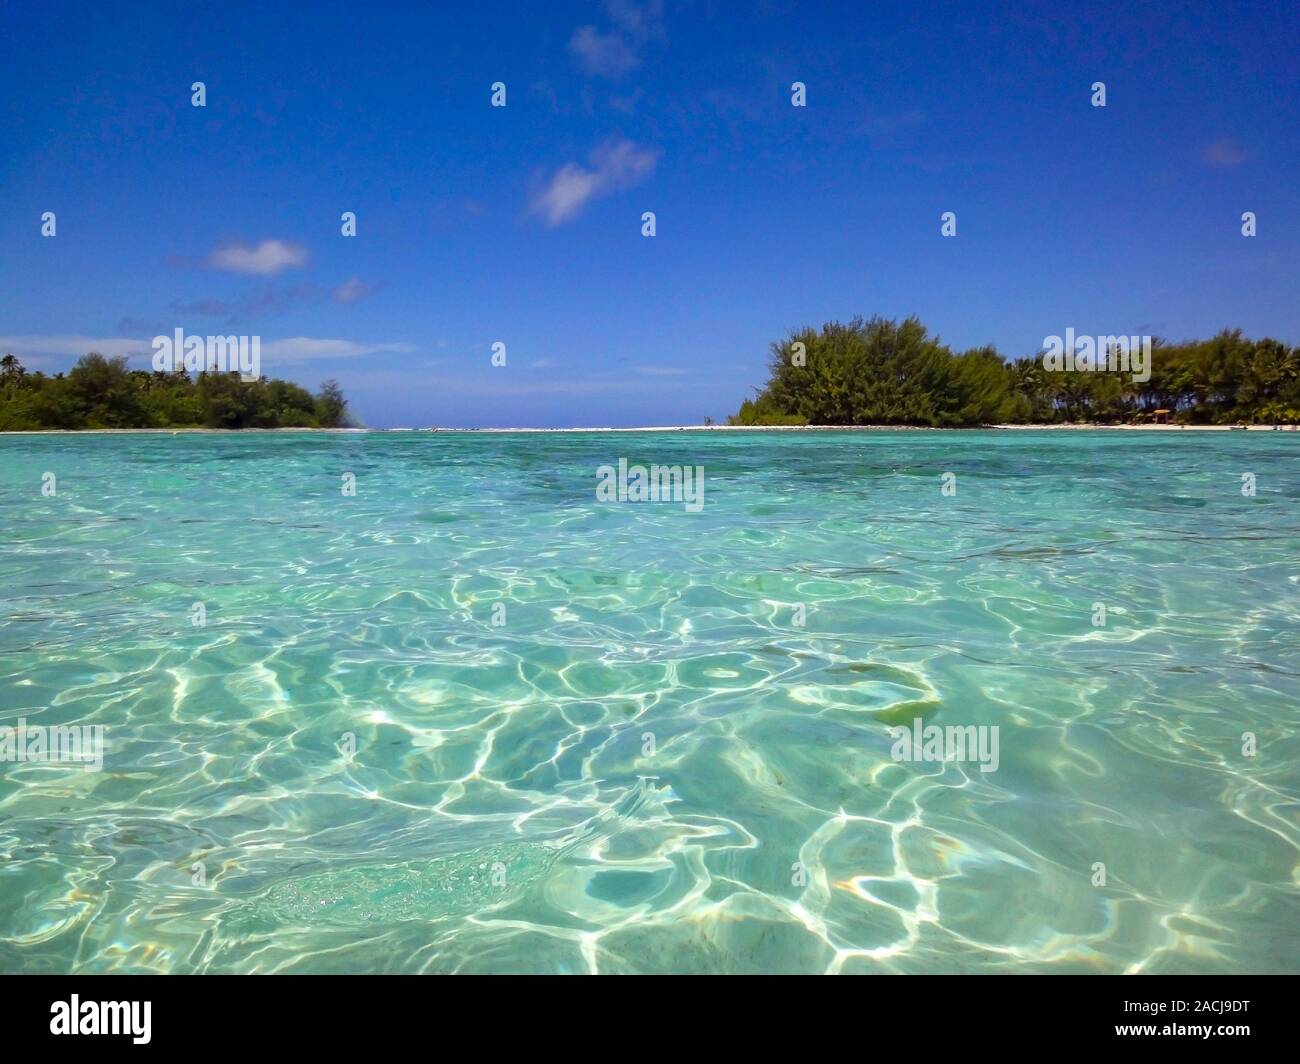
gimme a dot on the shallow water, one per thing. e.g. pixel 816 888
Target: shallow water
pixel 491 816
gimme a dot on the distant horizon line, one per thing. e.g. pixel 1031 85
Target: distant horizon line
pixel 1039 427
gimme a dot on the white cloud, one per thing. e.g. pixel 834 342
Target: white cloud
pixel 269 257
pixel 614 53
pixel 636 18
pixel 351 290
pixel 617 163
pixel 384 382
pixel 303 349
pixel 71 344
pixel 566 192
pixel 660 371
pixel 293 349
pixel 606 55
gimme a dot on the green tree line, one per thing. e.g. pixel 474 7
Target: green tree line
pixel 103 393
pixel 882 372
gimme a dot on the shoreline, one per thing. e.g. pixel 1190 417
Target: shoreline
pixel 1079 427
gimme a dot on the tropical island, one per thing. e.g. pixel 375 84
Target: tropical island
pixel 104 393
pixel 882 372
pixel 868 372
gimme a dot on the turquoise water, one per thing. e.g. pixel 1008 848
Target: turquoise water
pixel 648 764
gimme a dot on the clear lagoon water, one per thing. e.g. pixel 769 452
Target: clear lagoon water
pixel 644 762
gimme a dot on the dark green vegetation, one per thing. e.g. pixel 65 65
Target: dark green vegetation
pixel 102 393
pixel 881 372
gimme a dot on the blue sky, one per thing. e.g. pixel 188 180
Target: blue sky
pixel 522 224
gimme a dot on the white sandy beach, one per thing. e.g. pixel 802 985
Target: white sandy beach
pixel 687 428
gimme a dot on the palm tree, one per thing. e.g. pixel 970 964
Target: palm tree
pixel 11 373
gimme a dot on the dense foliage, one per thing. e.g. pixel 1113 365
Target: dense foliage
pixel 102 393
pixel 881 372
